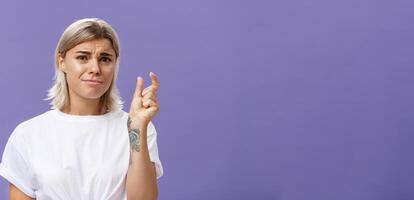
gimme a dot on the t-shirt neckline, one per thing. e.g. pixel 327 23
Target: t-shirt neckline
pixel 107 115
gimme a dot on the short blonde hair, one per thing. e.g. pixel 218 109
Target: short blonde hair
pixel 78 32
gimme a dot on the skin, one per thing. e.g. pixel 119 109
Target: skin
pixel 96 60
pixel 141 180
pixel 16 194
pixel 91 60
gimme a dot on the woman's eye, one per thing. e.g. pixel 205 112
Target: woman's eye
pixel 106 59
pixel 82 58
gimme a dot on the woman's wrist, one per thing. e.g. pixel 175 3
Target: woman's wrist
pixel 136 125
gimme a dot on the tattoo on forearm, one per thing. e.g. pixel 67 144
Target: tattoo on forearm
pixel 134 136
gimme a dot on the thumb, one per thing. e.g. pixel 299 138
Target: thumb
pixel 137 98
pixel 139 87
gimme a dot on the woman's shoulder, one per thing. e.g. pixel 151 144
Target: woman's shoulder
pixel 25 128
pixel 36 120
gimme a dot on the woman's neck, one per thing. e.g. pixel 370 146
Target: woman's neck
pixel 81 106
pixel 83 109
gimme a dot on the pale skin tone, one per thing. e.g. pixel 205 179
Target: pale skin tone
pixel 96 60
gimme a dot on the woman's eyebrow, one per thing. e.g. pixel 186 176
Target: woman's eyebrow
pixel 106 54
pixel 89 53
pixel 84 52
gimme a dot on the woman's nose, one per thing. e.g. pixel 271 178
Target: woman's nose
pixel 94 67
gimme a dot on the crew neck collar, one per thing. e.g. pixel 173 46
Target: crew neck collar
pixel 107 115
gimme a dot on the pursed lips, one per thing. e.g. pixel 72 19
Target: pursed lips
pixel 92 81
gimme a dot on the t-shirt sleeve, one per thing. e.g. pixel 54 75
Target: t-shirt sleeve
pixel 14 166
pixel 153 149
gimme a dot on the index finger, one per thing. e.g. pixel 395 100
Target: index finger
pixel 154 81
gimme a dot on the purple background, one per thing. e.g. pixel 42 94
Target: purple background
pixel 290 99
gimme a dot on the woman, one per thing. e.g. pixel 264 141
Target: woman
pixel 86 146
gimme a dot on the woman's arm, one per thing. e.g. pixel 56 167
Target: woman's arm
pixel 141 180
pixel 16 194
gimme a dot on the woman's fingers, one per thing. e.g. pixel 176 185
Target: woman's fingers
pixel 154 81
pixel 139 87
pixel 148 95
pixel 149 103
pixel 136 100
pixel 155 84
pixel 146 90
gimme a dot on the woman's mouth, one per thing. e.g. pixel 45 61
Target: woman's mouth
pixel 92 82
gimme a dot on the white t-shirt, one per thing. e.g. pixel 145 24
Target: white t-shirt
pixel 61 156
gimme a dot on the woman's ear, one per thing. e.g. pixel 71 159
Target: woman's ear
pixel 61 62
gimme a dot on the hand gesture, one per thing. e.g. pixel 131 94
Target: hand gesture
pixel 144 105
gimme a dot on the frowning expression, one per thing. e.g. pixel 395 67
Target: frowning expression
pixel 89 68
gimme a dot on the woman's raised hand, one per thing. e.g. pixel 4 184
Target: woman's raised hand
pixel 144 105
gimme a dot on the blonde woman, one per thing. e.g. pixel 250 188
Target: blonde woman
pixel 86 146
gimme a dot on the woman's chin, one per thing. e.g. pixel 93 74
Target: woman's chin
pixel 90 96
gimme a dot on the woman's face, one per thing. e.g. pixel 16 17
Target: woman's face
pixel 89 68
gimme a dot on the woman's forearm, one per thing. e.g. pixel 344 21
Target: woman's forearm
pixel 141 182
